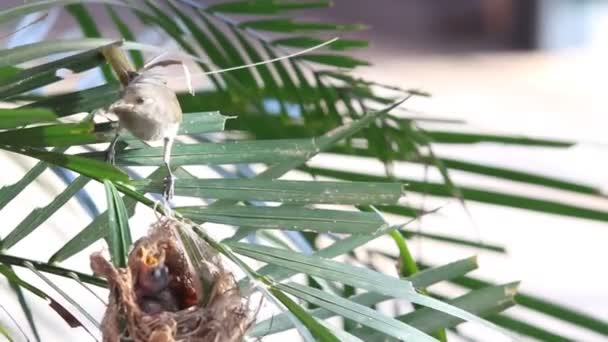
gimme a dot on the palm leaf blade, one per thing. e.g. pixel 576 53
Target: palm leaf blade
pixel 356 312
pixel 419 280
pixel 283 190
pixel 119 234
pixel 39 215
pixel 290 218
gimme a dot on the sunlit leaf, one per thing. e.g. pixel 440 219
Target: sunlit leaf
pixel 481 302
pixel 283 190
pixel 8 192
pixel 422 279
pixel 18 284
pixel 86 100
pixel 320 332
pixel 12 118
pixel 88 133
pixel 119 233
pixel 356 312
pixel 256 151
pixel 25 306
pixel 58 307
pixel 94 231
pixel 4 332
pixel 91 168
pixel 289 218
pixel 544 306
pixel 50 135
pixel 356 276
pixel 480 195
pixel 53 269
pixel 39 215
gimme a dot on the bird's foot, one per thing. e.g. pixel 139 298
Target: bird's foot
pixel 169 186
pixel 110 156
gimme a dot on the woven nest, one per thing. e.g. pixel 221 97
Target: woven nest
pixel 163 295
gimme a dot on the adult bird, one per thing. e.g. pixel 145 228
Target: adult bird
pixel 148 109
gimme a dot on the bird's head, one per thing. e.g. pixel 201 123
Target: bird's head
pixel 159 265
pixel 153 274
pixel 136 99
pixel 147 96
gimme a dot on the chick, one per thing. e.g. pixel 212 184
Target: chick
pixel 163 279
pixel 153 292
pixel 151 286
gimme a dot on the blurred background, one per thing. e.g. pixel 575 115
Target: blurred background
pixel 525 67
pixel 533 68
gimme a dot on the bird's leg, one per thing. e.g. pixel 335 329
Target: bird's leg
pixel 111 151
pixel 169 182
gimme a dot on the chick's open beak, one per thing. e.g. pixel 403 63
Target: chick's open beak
pixel 149 258
pixel 153 275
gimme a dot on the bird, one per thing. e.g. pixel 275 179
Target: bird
pixel 152 280
pixel 150 110
pixel 164 280
pixel 153 292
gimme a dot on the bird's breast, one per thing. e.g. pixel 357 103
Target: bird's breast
pixel 146 127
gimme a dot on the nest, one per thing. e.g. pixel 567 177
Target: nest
pixel 166 294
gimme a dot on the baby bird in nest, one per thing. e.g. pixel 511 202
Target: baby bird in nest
pixel 152 285
pixel 159 295
pixel 163 281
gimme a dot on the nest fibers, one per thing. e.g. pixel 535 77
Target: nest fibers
pixel 166 294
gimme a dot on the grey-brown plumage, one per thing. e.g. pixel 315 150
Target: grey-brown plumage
pixel 150 111
pixel 152 290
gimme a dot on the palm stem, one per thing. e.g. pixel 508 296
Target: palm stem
pixel 408 268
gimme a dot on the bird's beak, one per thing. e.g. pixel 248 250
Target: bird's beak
pixel 151 257
pixel 121 106
pixel 147 258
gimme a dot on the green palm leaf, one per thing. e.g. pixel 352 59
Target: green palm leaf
pixel 282 106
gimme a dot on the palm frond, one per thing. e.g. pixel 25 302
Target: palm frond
pixel 295 110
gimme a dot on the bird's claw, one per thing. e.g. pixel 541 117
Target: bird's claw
pixel 110 156
pixel 111 151
pixel 169 186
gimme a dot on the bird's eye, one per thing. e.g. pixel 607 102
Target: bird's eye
pixel 139 100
